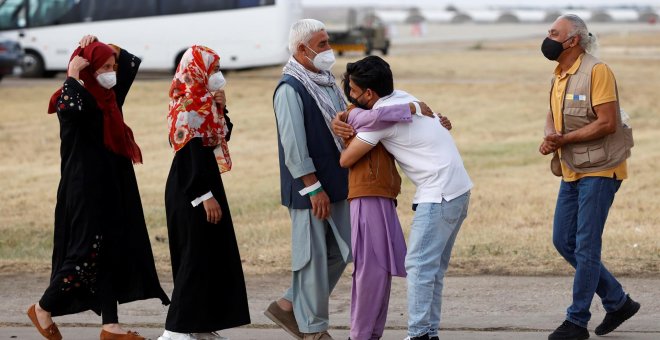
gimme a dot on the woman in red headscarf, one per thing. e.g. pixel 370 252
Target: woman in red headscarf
pixel 209 288
pixel 101 250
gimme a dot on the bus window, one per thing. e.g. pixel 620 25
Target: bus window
pixel 97 10
pixel 254 3
pixel 52 12
pixel 191 6
pixel 12 14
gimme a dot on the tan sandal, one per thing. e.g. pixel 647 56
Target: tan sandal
pixel 51 332
pixel 105 335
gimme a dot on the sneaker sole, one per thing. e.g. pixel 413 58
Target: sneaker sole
pixel 281 324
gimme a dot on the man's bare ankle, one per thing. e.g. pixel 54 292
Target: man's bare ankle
pixel 285 304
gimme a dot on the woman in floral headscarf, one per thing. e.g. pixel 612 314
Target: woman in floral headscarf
pixel 209 288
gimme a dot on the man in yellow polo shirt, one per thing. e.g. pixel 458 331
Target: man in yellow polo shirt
pixel 584 126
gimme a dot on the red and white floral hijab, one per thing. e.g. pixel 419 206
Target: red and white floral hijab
pixel 193 113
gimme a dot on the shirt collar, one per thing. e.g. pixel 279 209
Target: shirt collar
pixel 573 69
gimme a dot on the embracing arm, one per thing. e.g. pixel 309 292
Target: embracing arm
pixel 353 152
pixel 380 118
pixel 345 125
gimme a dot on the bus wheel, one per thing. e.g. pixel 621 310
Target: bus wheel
pixel 33 65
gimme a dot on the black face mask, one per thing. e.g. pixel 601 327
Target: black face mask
pixel 552 49
pixel 355 101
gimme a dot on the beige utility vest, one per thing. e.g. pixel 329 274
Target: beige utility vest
pixel 598 154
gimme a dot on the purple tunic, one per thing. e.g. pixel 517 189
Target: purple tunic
pixel 378 244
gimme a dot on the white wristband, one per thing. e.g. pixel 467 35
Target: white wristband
pixel 310 188
pixel 418 109
pixel 197 201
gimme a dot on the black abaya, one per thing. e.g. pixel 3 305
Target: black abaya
pixel 101 251
pixel 209 287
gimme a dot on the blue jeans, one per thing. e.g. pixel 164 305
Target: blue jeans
pixel 432 237
pixel 580 216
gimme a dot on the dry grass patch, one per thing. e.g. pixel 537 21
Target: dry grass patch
pixel 496 97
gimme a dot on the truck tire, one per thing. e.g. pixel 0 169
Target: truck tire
pixel 33 65
pixel 386 48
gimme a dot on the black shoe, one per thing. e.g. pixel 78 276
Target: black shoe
pixel 434 338
pixel 569 331
pixel 615 319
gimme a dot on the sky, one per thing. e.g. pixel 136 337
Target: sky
pixel 482 3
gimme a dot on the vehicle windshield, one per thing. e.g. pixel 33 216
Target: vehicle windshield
pixel 16 14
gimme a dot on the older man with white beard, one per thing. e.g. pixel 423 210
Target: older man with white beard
pixel 313 185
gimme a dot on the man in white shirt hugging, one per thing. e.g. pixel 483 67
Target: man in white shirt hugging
pixel 427 154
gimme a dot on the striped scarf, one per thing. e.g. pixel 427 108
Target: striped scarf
pixel 313 82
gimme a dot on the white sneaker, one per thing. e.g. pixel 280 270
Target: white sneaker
pixel 209 336
pixel 168 335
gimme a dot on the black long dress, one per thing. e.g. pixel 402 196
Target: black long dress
pixel 101 251
pixel 209 287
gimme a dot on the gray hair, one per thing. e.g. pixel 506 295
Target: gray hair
pixel 588 41
pixel 302 31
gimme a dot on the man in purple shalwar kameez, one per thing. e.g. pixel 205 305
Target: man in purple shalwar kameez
pixel 378 244
pixel 428 155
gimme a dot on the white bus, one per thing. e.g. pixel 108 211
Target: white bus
pixel 245 33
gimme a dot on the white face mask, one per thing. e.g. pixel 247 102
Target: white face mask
pixel 324 60
pixel 216 82
pixel 107 79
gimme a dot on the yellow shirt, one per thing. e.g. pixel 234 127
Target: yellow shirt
pixel 603 90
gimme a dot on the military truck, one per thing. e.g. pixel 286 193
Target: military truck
pixel 365 38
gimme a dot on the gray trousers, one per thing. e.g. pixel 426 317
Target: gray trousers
pixel 320 251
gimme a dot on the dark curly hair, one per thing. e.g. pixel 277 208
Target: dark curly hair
pixel 372 73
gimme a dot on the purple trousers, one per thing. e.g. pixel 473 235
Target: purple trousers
pixel 379 252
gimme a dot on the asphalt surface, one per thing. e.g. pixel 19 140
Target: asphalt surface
pixel 478 307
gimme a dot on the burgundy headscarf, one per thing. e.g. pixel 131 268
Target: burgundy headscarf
pixel 117 136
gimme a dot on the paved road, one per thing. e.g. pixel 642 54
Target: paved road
pixel 80 333
pixel 481 307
